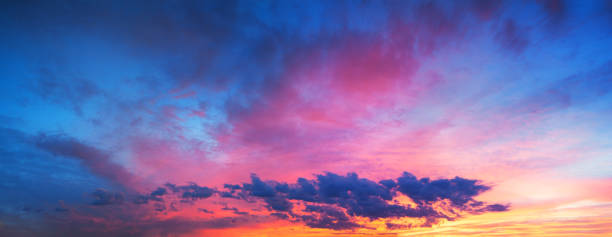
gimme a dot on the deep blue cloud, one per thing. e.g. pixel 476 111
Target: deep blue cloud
pixel 334 198
pixel 234 210
pixel 194 192
pixel 206 211
pixel 458 190
pixel 495 208
pixel 103 197
pixel 155 195
pixel 327 217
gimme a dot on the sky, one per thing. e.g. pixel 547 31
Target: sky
pixel 306 118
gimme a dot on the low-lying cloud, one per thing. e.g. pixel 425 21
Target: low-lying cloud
pixel 331 200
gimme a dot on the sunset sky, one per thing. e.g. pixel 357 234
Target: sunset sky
pixel 306 118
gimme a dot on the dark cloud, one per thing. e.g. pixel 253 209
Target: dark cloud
pixel 232 186
pixel 280 215
pixel 155 195
pixel 332 200
pixel 229 195
pixel 95 159
pixel 327 217
pixel 234 210
pixel 458 190
pixel 186 193
pixel 103 197
pixel 160 207
pixel 258 188
pixel 194 192
pixel 278 203
pixel 158 192
pixel 206 211
pixel 495 208
pixel 269 193
pixel 141 199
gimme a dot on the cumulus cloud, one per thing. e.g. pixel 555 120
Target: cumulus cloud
pixel 334 201
pixel 331 200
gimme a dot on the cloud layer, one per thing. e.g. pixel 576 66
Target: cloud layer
pixel 331 200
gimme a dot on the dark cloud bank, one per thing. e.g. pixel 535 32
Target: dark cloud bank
pixel 331 201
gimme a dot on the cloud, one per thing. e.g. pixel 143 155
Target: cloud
pixel 196 192
pixel 158 192
pixel 258 188
pixel 206 211
pixel 191 191
pixel 103 197
pixel 155 195
pixel 458 190
pixel 234 210
pixel 68 90
pixel 327 217
pixel 331 200
pixel 186 193
pixel 495 208
pixel 95 159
